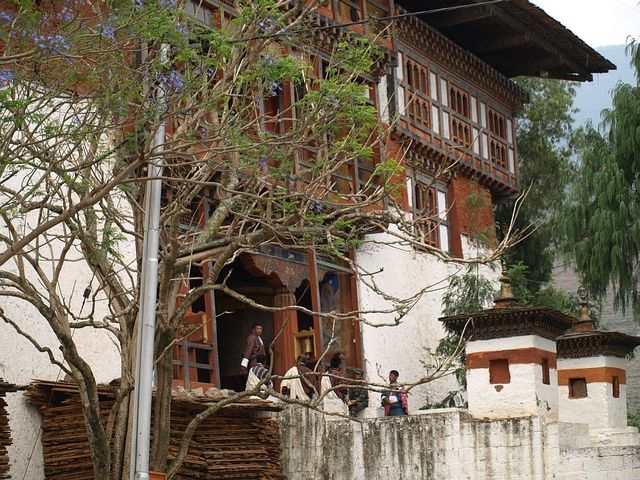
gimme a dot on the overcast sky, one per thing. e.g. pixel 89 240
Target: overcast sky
pixel 597 22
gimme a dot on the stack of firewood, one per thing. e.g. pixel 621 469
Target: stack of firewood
pixel 5 433
pixel 232 444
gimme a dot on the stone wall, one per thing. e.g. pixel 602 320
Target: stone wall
pixel 447 444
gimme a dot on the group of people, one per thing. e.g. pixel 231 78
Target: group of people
pixel 302 381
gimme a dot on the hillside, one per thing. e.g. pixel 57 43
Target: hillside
pixel 594 96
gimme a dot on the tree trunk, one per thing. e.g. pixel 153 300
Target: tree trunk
pixel 162 405
pixel 98 441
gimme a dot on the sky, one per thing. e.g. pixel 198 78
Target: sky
pixel 597 22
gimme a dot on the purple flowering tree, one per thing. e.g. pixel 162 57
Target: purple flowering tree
pixel 242 169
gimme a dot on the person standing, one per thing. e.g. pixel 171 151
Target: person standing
pixel 394 400
pixel 253 347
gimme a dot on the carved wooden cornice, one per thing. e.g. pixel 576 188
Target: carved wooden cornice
pixel 510 321
pixel 277 266
pixel 434 158
pixel 440 49
pixel 596 343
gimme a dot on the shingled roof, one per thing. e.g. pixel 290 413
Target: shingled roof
pixel 515 37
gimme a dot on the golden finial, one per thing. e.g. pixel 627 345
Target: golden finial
pixel 583 312
pixel 506 297
pixel 585 322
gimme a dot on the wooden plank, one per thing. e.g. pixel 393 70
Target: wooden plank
pixel 233 444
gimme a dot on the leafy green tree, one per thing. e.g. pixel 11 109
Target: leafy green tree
pixel 81 125
pixel 600 223
pixel 545 295
pixel 95 94
pixel 543 135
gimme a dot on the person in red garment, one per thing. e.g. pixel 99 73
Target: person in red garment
pixel 394 400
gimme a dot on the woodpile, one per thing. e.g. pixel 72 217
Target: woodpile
pixel 235 443
pixel 5 433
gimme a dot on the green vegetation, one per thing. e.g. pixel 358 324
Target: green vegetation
pixel 600 222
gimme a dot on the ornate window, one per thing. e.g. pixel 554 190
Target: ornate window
pixel 349 11
pixel 459 101
pixel 497 123
pixel 429 210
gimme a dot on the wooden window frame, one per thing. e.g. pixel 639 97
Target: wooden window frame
pixel 546 372
pixel 459 101
pixel 375 27
pixel 355 6
pixel 497 123
pixel 272 121
pixel 575 388
pixel 432 219
pixel 499 373
pixel 615 386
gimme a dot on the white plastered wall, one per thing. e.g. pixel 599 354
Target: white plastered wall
pixel 526 394
pixel 599 409
pixel 402 347
pixel 20 362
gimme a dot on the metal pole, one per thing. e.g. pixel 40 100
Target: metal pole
pixel 140 444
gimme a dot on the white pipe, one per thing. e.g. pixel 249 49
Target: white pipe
pixel 140 444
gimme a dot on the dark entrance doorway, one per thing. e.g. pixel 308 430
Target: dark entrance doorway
pixel 235 319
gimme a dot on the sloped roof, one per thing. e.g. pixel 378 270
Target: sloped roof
pixel 515 37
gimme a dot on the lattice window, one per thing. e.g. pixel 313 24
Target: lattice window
pixel 459 100
pixel 497 123
pixel 498 153
pixel 460 132
pixel 419 110
pixel 429 211
pixel 416 76
pixel 349 11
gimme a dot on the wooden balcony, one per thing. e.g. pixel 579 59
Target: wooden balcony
pixel 483 152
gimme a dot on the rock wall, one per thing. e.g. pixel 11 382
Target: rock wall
pixel 446 444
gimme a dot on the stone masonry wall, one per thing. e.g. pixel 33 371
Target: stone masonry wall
pixel 445 444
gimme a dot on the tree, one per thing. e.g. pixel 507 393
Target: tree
pixel 544 135
pixel 599 223
pixel 79 118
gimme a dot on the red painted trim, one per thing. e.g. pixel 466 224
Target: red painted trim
pixel 516 356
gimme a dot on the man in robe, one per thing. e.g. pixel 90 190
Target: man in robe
pixel 331 380
pixel 253 347
pixel 257 373
pixel 303 386
pixel 394 400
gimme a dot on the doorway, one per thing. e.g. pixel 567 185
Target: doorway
pixel 235 320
